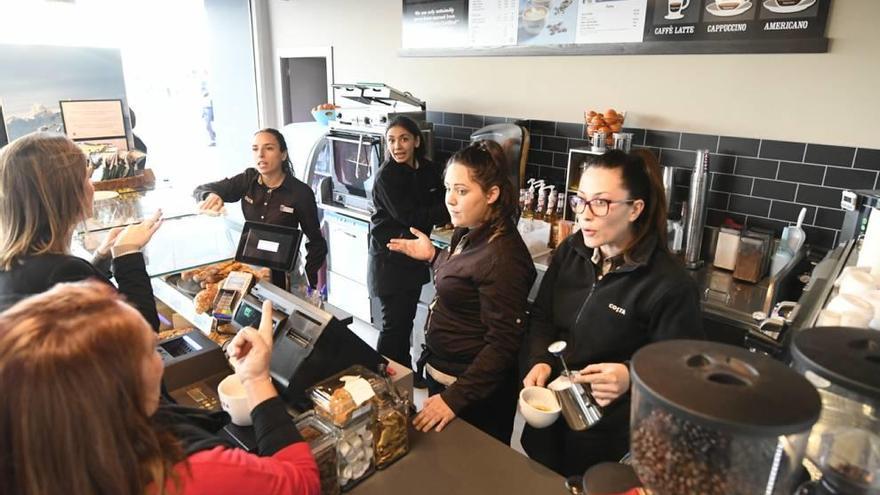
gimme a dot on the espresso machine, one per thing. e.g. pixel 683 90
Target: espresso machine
pixel 860 206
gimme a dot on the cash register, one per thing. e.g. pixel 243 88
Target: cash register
pixel 310 343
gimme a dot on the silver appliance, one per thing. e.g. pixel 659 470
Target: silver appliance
pixel 343 164
pixel 858 206
pixel 696 218
pixel 514 140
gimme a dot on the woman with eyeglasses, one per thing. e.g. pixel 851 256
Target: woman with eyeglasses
pixel 610 289
pixel 478 318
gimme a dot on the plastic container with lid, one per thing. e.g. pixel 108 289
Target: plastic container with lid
pixel 322 439
pixel 726 248
pixel 354 449
pixel 716 419
pixel 750 259
pixel 336 404
pixel 391 432
pixel 391 429
pixel 844 365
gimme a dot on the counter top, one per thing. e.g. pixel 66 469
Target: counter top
pixel 133 207
pixel 179 244
pixel 438 465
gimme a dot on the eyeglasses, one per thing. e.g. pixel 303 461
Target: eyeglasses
pixel 598 207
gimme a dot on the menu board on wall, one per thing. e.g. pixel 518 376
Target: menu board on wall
pixel 565 27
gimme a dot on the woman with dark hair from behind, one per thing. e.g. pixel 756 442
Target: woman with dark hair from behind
pixel 611 288
pixel 478 316
pixel 80 375
pixel 407 193
pixel 45 191
pixel 270 193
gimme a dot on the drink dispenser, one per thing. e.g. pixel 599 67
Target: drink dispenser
pixel 844 365
pixel 716 419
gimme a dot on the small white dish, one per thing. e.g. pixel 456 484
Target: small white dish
pixel 674 17
pixel 713 9
pixel 773 6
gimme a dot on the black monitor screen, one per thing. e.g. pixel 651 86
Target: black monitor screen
pixel 272 246
pixel 248 315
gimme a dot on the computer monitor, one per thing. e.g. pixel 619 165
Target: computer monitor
pixel 271 246
pixel 95 121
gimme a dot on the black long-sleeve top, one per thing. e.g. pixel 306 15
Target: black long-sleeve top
pixel 37 274
pixel 478 318
pixel 403 197
pixel 291 204
pixel 647 298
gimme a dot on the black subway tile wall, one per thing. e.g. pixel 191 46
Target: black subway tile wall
pixel 758 183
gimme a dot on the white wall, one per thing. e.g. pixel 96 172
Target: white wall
pixel 829 98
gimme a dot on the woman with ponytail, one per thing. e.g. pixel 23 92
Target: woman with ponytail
pixel 269 192
pixel 610 289
pixel 478 316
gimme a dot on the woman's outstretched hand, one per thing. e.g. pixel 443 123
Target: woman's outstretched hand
pixel 419 248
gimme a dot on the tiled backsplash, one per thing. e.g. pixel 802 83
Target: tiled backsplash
pixel 761 183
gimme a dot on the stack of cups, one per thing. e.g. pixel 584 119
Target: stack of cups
pixel 857 303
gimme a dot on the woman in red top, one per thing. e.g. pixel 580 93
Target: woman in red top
pixel 80 377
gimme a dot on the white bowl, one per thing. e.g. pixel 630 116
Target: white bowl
pixel 533 398
pixel 233 399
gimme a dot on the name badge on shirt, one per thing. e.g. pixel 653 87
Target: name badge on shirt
pixel 248 199
pixel 286 209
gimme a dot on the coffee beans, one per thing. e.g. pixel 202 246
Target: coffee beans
pixel 674 456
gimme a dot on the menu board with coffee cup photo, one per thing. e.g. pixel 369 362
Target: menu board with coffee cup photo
pixel 612 27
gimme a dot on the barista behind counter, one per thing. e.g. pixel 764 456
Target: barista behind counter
pixel 270 193
pixel 611 289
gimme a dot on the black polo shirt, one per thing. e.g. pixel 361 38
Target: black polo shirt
pixel 292 204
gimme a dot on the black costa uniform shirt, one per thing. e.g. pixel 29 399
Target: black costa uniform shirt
pixel 403 197
pixel 605 319
pixel 478 318
pixel 292 204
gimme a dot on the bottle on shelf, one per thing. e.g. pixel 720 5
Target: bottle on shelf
pixel 535 198
pixel 541 208
pixel 556 220
pixel 528 210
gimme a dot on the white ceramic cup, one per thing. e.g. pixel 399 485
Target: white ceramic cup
pixel 729 4
pixel 853 310
pixel 857 283
pixel 674 7
pixel 542 3
pixel 538 406
pixel 233 399
pixel 534 18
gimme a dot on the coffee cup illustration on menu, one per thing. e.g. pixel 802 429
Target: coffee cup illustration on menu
pixel 788 6
pixel 728 8
pixel 534 17
pixel 675 9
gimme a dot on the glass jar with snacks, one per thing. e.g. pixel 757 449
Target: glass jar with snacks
pixel 322 439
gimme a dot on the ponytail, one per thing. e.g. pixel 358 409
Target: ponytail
pixel 641 176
